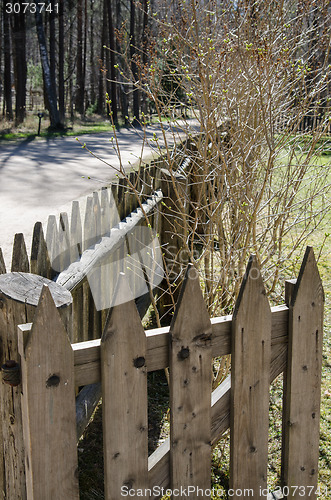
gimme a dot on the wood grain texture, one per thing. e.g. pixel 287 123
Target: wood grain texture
pixel 2 263
pixel 48 407
pixel 87 354
pixel 124 395
pixel 303 384
pixel 20 259
pixel 64 242
pixel 52 243
pixel 250 373
pixel 190 388
pixel 40 261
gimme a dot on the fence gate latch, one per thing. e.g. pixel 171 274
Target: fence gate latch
pixel 11 373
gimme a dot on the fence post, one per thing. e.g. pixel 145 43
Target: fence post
pixel 173 231
pixel 190 389
pixel 19 294
pixel 48 405
pixel 250 373
pixel 303 396
pixel 124 396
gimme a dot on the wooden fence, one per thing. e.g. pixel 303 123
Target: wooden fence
pixel 263 343
pixel 99 234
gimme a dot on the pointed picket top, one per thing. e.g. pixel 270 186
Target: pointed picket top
pixel 303 381
pixel 190 387
pixel 49 405
pixel 40 262
pixel 52 242
pixel 252 280
pixel 76 232
pixel 2 263
pixel 89 237
pixel 251 340
pixel 309 278
pixel 97 214
pixel 191 308
pixel 124 394
pixel 20 259
pixel 104 212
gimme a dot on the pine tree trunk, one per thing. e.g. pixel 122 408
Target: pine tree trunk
pixel 7 64
pixel 49 89
pixel 134 69
pixel 79 98
pixel 112 72
pixel 61 61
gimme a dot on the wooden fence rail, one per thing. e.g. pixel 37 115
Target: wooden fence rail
pixel 263 342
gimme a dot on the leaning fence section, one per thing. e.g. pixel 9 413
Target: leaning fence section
pixel 263 343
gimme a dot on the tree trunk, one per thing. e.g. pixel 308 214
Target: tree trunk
pixel 61 61
pixel 92 55
pixel 79 98
pixel 121 88
pixel 144 50
pixel 8 106
pixel 49 89
pixel 134 69
pixel 52 43
pixel 101 86
pixel 19 38
pixel 112 72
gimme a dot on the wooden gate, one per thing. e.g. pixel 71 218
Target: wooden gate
pixel 263 343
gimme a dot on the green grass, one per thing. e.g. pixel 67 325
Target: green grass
pixel 28 130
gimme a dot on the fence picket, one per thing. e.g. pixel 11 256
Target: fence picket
pixel 64 242
pixel 190 388
pixel 76 232
pixel 124 395
pixel 20 259
pixel 52 242
pixel 2 263
pixel 250 369
pixel 302 407
pixel 40 262
pixel 48 407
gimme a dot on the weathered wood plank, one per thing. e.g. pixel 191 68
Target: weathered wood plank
pixel 52 243
pixel 2 263
pixel 20 259
pixel 190 388
pixel 124 395
pixel 87 354
pixel 76 232
pixel 303 383
pixel 19 295
pixel 250 371
pixel 64 242
pixel 40 262
pixel 48 407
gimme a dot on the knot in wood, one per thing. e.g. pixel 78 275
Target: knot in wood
pixel 11 373
pixel 184 353
pixel 53 381
pixel 139 362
